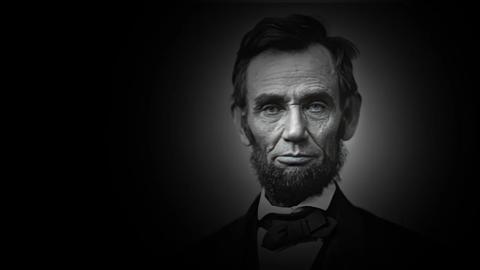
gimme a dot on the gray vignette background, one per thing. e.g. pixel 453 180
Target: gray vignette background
pixel 177 170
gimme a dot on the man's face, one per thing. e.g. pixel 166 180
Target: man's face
pixel 293 112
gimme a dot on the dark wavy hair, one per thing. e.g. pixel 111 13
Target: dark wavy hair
pixel 292 34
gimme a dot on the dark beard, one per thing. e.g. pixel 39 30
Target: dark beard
pixel 289 188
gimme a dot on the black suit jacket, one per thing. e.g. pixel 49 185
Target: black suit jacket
pixel 360 241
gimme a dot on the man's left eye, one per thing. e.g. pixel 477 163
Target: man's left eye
pixel 316 107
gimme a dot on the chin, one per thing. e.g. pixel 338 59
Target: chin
pixel 292 170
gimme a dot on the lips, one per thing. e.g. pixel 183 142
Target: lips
pixel 295 160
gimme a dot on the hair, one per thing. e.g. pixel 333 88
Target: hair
pixel 294 33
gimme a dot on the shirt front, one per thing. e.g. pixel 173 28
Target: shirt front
pixel 302 255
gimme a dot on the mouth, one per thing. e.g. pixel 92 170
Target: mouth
pixel 295 160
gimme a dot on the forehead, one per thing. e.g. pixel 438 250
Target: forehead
pixel 292 73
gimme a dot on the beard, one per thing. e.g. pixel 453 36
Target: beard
pixel 290 187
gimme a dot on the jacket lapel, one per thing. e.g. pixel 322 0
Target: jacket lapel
pixel 233 247
pixel 347 241
pixel 250 259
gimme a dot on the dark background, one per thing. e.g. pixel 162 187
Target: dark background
pixel 147 192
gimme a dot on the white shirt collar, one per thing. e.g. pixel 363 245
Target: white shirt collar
pixel 321 201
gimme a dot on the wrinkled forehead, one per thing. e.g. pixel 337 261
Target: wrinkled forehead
pixel 291 73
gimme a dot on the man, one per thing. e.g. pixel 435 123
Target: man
pixel 295 101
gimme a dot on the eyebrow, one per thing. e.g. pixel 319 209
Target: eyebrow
pixel 269 98
pixel 316 96
pixel 280 99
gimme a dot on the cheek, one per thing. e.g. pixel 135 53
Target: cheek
pixel 324 133
pixel 265 132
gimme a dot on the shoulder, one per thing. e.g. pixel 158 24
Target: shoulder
pixel 222 249
pixel 395 245
pixel 383 231
pixel 229 234
pixel 230 245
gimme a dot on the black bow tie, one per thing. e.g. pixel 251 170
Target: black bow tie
pixel 309 224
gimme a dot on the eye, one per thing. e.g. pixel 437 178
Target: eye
pixel 271 109
pixel 316 107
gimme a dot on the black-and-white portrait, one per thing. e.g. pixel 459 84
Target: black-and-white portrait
pixel 276 135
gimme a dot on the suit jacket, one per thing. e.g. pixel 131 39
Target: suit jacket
pixel 360 241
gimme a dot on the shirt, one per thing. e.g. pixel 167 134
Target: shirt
pixel 302 255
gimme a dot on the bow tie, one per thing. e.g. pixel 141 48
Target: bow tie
pixel 309 224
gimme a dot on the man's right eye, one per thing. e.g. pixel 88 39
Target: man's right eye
pixel 271 109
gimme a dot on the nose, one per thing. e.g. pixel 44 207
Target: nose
pixel 295 129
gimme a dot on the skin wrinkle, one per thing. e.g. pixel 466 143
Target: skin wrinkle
pixel 288 80
pixel 325 71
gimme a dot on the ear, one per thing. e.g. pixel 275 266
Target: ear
pixel 238 114
pixel 351 115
